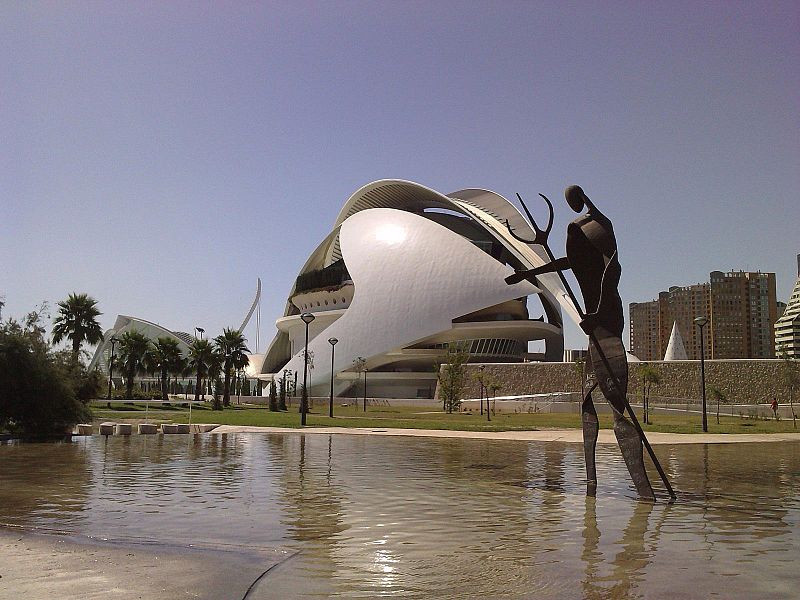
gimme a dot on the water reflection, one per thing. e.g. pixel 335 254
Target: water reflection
pixel 374 517
pixel 51 497
pixel 634 553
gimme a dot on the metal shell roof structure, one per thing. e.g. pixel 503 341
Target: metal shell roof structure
pixel 125 323
pixel 407 270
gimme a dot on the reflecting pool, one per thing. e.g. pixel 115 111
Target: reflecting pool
pixel 365 517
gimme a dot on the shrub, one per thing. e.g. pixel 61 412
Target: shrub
pixel 41 391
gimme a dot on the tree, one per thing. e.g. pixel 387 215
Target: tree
pixel 718 395
pixel 214 371
pixel 201 357
pixel 41 391
pixel 650 377
pixel 360 366
pixel 451 375
pixel 494 386
pixel 165 358
pixel 134 348
pixel 282 396
pixel 790 376
pixel 273 397
pixel 231 347
pixel 77 322
pixel 579 369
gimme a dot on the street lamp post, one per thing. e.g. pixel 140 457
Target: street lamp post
pixel 306 318
pixel 285 384
pixel 365 389
pixel 332 341
pixel 480 381
pixel 227 374
pixel 111 368
pixel 238 387
pixel 701 323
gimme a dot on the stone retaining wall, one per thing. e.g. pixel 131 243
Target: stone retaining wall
pixel 742 381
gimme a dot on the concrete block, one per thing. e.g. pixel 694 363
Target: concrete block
pixel 107 428
pixel 83 429
pixel 182 428
pixel 148 428
pixel 203 427
pixel 169 428
pixel 123 429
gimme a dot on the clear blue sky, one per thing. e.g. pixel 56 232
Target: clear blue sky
pixel 162 155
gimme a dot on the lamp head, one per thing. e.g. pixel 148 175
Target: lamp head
pixel 700 321
pixel 307 317
pixel 333 341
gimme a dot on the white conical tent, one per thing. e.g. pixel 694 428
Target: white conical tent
pixel 675 347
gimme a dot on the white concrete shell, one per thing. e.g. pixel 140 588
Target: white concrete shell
pixel 406 270
pixel 675 348
pixel 124 323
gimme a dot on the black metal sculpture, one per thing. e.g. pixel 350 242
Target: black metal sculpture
pixel 592 256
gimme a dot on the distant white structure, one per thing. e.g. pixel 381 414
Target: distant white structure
pixel 675 348
pixel 407 270
pixel 153 331
pixel 124 324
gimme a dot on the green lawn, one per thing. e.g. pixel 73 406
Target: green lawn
pixel 416 418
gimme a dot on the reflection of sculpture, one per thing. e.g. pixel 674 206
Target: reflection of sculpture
pixel 592 256
pixel 632 559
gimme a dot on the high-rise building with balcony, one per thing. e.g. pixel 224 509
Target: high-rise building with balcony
pixel 741 308
pixel 787 327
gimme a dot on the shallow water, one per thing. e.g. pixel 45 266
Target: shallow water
pixel 429 518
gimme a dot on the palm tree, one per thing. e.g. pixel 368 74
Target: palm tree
pixel 231 346
pixel 201 357
pixel 77 321
pixel 133 350
pixel 165 358
pixel 214 371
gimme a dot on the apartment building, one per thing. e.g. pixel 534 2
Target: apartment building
pixel 741 307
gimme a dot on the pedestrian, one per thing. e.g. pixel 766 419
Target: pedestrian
pixel 774 406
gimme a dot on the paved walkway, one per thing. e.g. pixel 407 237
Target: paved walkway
pixel 548 435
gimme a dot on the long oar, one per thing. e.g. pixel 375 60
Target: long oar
pixel 541 239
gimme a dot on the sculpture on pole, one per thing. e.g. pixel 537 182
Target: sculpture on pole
pixel 592 256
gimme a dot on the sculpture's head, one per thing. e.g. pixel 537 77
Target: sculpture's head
pixel 576 199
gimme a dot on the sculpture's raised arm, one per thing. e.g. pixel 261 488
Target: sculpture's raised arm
pixel 561 264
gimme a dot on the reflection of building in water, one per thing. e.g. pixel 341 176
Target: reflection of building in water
pixel 387 514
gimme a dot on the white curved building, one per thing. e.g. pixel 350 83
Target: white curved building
pixel 405 271
pixel 150 330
